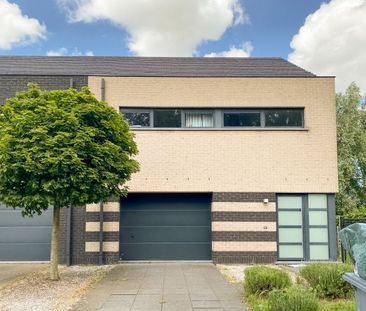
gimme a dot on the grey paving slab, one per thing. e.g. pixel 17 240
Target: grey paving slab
pixel 203 296
pixel 207 304
pixel 163 287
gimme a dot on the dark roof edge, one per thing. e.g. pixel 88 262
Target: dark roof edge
pixel 146 57
pixel 157 76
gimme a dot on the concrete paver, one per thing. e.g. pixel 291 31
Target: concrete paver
pixel 163 287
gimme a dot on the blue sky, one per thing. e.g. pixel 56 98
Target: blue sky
pixel 273 23
pixel 325 37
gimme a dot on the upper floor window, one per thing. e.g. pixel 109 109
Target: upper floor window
pixel 215 118
pixel 198 119
pixel 284 117
pixel 138 118
pixel 167 118
pixel 236 118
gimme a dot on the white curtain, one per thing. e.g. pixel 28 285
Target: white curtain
pixel 199 120
pixel 207 120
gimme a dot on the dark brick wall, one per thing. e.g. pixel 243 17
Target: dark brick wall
pixel 77 236
pixel 243 236
pixel 107 216
pixel 243 196
pixel 107 236
pixel 243 216
pixel 244 257
pixel 93 258
pixel 10 85
pixel 63 251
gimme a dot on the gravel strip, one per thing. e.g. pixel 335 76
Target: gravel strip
pixel 235 273
pixel 36 292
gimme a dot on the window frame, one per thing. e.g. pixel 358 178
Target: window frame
pixel 305 227
pixel 302 110
pixel 302 227
pixel 139 110
pixel 198 111
pixel 218 115
pixel 166 109
pixel 238 111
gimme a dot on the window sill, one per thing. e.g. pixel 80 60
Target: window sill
pixel 273 129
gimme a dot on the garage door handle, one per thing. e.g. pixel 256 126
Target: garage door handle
pixel 132 236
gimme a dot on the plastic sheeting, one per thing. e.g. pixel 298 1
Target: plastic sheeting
pixel 353 239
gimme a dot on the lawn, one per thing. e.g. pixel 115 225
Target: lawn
pixel 317 287
pixel 259 304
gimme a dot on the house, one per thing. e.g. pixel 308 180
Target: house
pixel 238 162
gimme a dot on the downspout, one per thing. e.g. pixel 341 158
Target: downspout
pixel 100 258
pixel 101 206
pixel 102 90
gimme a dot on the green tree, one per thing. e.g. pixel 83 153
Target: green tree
pixel 351 139
pixel 62 148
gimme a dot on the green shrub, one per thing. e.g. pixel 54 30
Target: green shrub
pixel 260 280
pixel 327 279
pixel 292 299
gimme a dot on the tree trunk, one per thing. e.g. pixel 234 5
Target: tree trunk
pixel 54 244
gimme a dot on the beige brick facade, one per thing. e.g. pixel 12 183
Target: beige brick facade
pixel 244 246
pixel 108 226
pixel 227 160
pixel 93 247
pixel 243 226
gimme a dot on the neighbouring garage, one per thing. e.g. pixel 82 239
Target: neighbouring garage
pixel 165 227
pixel 24 238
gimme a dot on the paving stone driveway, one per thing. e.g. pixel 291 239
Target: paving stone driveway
pixel 163 286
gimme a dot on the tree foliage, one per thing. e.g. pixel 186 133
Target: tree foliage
pixel 62 148
pixel 351 138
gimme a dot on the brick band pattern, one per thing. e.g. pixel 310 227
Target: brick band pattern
pixel 107 236
pixel 244 216
pixel 111 216
pixel 243 236
pixel 244 227
pixel 243 196
pixel 244 257
pixel 107 216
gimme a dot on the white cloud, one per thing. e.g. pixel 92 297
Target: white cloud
pixel 332 41
pixel 242 51
pixel 16 28
pixel 65 52
pixel 161 27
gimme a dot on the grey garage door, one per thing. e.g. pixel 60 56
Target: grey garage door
pixel 165 227
pixel 24 238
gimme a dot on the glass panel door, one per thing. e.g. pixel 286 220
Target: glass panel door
pixel 290 227
pixel 318 227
